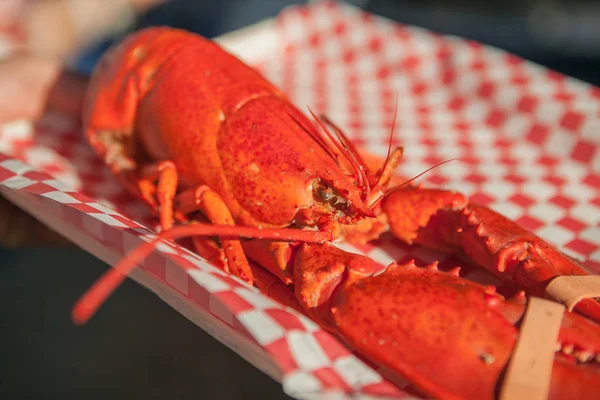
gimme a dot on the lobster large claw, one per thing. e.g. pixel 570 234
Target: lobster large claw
pixel 448 221
pixel 451 337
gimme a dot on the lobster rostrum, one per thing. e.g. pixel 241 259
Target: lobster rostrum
pixel 221 155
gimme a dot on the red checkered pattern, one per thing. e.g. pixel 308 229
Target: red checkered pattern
pixel 526 139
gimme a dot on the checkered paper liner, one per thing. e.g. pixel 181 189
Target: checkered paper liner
pixel 527 139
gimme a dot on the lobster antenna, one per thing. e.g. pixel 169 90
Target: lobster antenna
pixel 352 161
pixel 390 191
pixel 97 294
pixel 353 153
pixel 387 159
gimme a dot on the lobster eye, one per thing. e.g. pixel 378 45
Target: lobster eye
pixel 325 193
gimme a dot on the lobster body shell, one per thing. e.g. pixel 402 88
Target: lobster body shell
pixel 176 96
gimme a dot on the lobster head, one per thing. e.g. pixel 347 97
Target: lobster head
pixel 343 188
pixel 315 176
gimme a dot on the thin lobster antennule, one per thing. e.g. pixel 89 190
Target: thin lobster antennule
pixel 97 294
pixel 391 190
pixel 348 143
pixel 360 174
pixel 389 153
pixel 366 187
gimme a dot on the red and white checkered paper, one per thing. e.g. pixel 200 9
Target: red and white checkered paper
pixel 527 138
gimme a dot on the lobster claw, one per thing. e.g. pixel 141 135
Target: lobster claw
pixel 450 336
pixel 428 327
pixel 322 271
pixel 447 221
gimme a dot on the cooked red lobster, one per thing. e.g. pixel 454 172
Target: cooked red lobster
pixel 222 155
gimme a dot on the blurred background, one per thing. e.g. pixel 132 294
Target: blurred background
pixel 560 34
pixel 137 347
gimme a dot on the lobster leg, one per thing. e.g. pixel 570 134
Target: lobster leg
pixel 165 173
pixel 273 287
pixel 210 251
pixel 447 221
pixel 207 201
pixel 158 186
pixel 275 256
